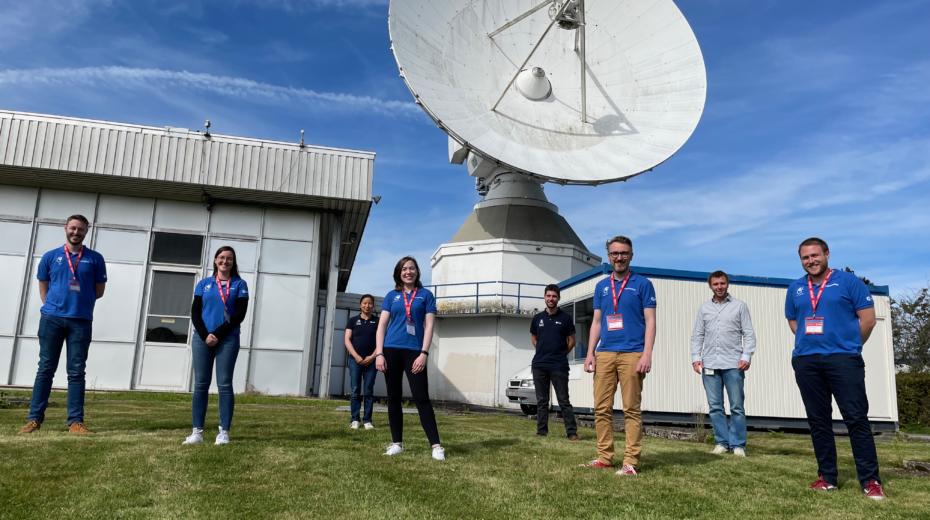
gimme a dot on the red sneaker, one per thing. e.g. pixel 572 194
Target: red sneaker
pixel 597 464
pixel 873 489
pixel 821 485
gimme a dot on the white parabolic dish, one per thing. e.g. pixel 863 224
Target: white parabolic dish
pixel 645 83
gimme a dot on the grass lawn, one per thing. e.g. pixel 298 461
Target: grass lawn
pixel 296 458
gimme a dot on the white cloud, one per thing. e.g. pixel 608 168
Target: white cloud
pixel 222 85
pixel 20 21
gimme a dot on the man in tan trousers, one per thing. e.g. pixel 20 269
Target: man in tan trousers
pixel 623 333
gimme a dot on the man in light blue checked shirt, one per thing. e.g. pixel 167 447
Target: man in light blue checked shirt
pixel 722 344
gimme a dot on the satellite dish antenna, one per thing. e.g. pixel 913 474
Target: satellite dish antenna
pixel 564 91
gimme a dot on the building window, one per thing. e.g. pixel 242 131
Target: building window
pixel 177 248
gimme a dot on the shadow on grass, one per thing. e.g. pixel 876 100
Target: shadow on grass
pixel 488 445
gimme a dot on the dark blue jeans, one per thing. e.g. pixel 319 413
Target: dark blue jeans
pixel 224 355
pixel 53 333
pixel 843 377
pixel 729 434
pixel 362 381
pixel 559 379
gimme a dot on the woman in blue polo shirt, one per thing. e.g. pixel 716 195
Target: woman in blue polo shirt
pixel 219 306
pixel 405 331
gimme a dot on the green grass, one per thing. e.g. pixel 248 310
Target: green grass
pixel 296 458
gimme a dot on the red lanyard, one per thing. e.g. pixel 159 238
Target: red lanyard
pixel 71 265
pixel 219 288
pixel 810 291
pixel 613 289
pixel 408 305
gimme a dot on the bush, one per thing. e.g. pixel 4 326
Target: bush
pixel 913 399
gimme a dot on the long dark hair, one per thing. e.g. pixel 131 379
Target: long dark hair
pixel 234 272
pixel 398 283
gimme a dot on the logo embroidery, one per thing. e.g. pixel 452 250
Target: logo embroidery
pixel 59 259
pixel 800 291
pixel 541 322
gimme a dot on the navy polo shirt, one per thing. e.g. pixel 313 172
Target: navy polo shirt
pixel 843 295
pixel 638 295
pixel 552 332
pixel 60 300
pixel 363 334
pixel 212 314
pixel 396 335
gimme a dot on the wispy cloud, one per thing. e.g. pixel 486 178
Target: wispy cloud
pixel 305 5
pixel 21 21
pixel 222 85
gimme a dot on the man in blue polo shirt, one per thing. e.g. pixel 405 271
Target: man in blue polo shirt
pixel 623 330
pixel 71 279
pixel 832 315
pixel 553 335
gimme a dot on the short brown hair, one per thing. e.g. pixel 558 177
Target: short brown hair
pixel 814 241
pixel 718 274
pixel 554 288
pixel 620 239
pixel 78 217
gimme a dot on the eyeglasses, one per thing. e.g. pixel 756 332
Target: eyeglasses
pixel 618 254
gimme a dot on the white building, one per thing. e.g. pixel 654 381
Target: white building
pixel 160 202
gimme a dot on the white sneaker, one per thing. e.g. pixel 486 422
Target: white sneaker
pixel 196 437
pixel 739 452
pixel 354 425
pixel 396 448
pixel 719 449
pixel 222 437
pixel 439 453
pixel 369 426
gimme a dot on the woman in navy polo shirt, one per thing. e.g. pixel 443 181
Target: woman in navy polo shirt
pixel 405 331
pixel 219 306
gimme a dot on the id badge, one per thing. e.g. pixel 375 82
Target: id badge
pixel 615 322
pixel 411 328
pixel 708 371
pixel 74 285
pixel 813 326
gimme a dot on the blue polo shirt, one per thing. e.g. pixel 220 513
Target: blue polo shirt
pixel 638 295
pixel 212 313
pixel 552 333
pixel 396 335
pixel 60 300
pixel 843 295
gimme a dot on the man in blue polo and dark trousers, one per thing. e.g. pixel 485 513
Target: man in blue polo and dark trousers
pixel 71 279
pixel 832 315
pixel 553 335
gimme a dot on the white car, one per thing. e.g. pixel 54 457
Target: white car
pixel 522 390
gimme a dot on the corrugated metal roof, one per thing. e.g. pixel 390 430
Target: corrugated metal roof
pixel 86 155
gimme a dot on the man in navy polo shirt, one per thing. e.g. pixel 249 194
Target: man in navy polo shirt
pixel 623 333
pixel 71 279
pixel 553 335
pixel 360 344
pixel 832 315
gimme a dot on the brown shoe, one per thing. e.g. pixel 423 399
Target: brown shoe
pixel 574 438
pixel 78 427
pixel 30 427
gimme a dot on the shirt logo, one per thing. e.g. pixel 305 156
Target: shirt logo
pixel 605 290
pixel 831 285
pixel 359 322
pixel 209 285
pixel 59 259
pixel 541 322
pixel 652 298
pixel 558 323
pixel 800 291
pixel 868 298
pixel 396 297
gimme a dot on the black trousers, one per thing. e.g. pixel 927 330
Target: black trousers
pixel 843 377
pixel 399 361
pixel 559 379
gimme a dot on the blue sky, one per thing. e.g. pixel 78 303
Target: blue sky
pixel 817 121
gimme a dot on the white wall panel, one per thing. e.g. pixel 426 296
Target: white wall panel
pixel 236 219
pixel 189 216
pixel 11 269
pixel 18 201
pixel 283 311
pixel 279 256
pixel 246 253
pixel 245 335
pixel 109 365
pixel 116 315
pixel 275 372
pixel 30 325
pixel 292 225
pixel 62 204
pixel 125 211
pixel 14 237
pixel 239 373
pixel 122 246
pixel 48 236
pixel 6 357
pixel 165 368
pixel 27 362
